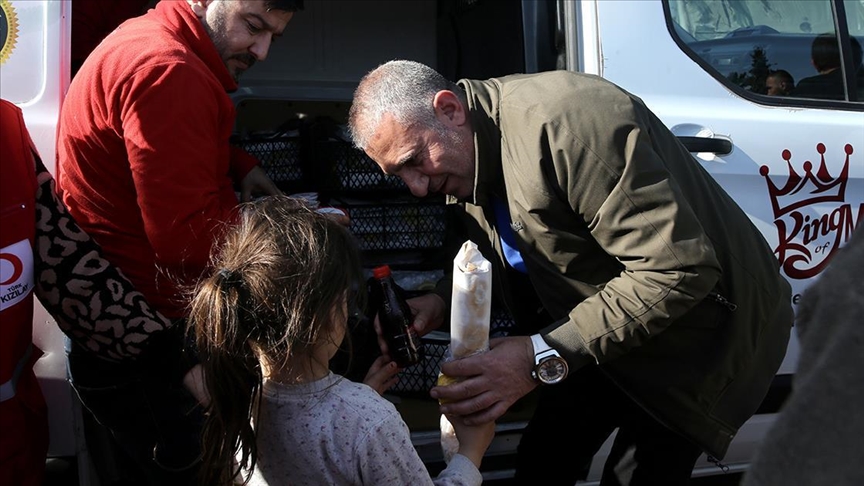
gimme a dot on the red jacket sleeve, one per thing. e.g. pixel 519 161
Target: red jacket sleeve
pixel 241 163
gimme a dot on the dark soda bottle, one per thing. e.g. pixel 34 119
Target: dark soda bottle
pixel 403 343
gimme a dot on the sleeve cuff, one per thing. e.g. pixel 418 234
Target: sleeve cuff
pixel 462 467
pixel 561 336
pixel 241 163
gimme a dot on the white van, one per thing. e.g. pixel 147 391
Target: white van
pixel 794 162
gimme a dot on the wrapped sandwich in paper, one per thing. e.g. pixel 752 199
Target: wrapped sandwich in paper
pixel 470 313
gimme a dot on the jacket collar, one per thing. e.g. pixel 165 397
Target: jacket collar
pixel 180 20
pixel 483 98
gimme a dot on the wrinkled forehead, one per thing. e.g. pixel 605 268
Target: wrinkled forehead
pixel 389 142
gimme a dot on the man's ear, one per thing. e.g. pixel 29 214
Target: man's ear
pixel 199 7
pixel 448 108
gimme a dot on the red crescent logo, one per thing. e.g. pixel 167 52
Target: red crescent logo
pixel 17 267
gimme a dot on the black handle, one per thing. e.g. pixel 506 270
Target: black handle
pixel 701 144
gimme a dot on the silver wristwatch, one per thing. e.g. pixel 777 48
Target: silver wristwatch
pixel 549 366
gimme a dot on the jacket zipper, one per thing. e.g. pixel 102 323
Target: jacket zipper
pixel 723 301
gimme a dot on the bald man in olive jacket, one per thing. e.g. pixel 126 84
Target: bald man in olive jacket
pixel 663 299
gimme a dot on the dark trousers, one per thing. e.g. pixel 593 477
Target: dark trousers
pixel 145 427
pixel 574 419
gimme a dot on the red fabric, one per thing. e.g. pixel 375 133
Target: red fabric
pixel 241 163
pixel 144 162
pixel 23 418
pixel 24 441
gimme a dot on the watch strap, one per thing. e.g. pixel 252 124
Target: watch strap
pixel 540 345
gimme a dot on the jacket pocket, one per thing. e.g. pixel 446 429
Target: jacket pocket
pixel 708 313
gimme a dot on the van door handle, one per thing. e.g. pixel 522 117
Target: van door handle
pixel 718 146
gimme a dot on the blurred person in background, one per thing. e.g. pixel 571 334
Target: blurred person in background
pixel 779 83
pixel 825 57
pixel 817 436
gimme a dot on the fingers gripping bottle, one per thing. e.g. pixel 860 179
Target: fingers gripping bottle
pixel 395 317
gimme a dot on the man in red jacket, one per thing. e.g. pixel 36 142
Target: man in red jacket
pixel 145 166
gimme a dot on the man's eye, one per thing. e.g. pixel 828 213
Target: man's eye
pixel 254 29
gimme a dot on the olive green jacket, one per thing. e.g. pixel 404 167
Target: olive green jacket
pixel 651 270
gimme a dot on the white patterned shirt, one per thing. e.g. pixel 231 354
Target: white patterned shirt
pixel 335 432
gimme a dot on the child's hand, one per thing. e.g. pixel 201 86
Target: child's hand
pixel 473 439
pixel 382 374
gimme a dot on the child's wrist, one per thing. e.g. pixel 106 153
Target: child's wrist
pixel 476 457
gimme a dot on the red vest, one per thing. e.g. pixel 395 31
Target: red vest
pixel 17 229
pixel 22 409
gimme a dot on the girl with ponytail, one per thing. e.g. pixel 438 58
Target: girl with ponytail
pixel 267 321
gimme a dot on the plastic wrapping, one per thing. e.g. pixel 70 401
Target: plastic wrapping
pixel 471 305
pixel 470 313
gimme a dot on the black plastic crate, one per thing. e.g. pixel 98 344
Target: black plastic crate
pixel 397 225
pixel 500 323
pixel 280 157
pixel 351 170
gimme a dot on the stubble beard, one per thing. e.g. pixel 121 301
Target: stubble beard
pixel 218 34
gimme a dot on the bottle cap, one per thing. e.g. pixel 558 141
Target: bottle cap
pixel 381 272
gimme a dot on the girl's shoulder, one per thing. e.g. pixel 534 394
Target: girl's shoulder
pixel 362 397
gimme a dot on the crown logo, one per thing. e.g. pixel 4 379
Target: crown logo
pixel 811 188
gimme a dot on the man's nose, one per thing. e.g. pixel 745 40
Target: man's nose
pixel 417 183
pixel 261 47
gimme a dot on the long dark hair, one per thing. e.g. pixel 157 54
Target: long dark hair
pixel 278 283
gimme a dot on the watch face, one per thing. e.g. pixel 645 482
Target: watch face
pixel 552 370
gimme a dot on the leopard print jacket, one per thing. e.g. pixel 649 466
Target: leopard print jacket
pixel 94 304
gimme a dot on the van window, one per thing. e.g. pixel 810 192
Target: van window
pixel 794 50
